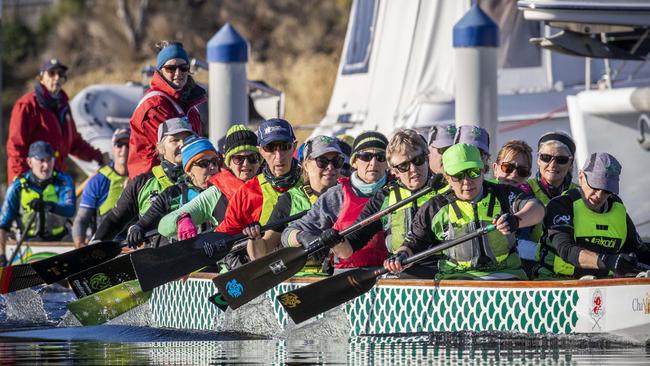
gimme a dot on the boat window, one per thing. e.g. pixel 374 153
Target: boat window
pixel 514 33
pixel 357 55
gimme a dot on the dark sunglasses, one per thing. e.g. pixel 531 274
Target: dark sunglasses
pixel 322 162
pixel 367 156
pixel 405 166
pixel 560 159
pixel 239 159
pixel 469 173
pixel 120 145
pixel 62 74
pixel 277 146
pixel 172 68
pixel 508 168
pixel 205 163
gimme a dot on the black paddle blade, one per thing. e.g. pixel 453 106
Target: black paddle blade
pixel 14 278
pixel 311 300
pixel 156 267
pixel 60 266
pixel 102 276
pixel 245 283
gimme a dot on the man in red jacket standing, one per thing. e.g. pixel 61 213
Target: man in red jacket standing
pixel 44 114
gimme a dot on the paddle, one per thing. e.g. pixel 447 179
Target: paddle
pixel 102 276
pixel 30 222
pixel 245 283
pixel 156 267
pixel 311 300
pixel 22 276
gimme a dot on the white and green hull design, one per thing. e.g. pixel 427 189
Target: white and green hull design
pixel 616 306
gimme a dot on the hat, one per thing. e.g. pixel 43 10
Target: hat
pixel 321 145
pixel 173 126
pixel 52 64
pixel 121 134
pixel 473 135
pixel 369 140
pixel 442 135
pixel 275 130
pixel 239 138
pixel 346 149
pixel 172 51
pixel 195 148
pixel 561 137
pixel 40 150
pixel 603 171
pixel 461 157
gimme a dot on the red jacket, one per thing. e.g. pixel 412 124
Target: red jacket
pixel 150 113
pixel 30 122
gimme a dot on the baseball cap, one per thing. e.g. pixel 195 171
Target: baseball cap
pixel 461 157
pixel 603 171
pixel 173 126
pixel 52 64
pixel 121 134
pixel 473 135
pixel 275 130
pixel 442 135
pixel 321 145
pixel 40 150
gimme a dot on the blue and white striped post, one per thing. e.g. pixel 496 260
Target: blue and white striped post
pixel 476 41
pixel 228 94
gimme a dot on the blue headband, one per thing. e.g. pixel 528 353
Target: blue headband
pixel 194 146
pixel 172 51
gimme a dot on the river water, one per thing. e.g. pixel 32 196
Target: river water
pixel 35 329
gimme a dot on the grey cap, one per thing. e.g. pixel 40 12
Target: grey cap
pixel 173 126
pixel 473 135
pixel 321 145
pixel 603 171
pixel 40 150
pixel 442 135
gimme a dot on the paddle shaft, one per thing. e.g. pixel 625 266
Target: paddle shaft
pixel 23 237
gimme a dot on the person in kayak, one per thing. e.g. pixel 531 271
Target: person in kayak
pixel 142 191
pixel 472 202
pixel 339 206
pixel 41 191
pixel 441 136
pixel 588 230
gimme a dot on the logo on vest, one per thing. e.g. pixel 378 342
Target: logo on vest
pixel 511 198
pixel 603 242
pixel 561 219
pixel 602 227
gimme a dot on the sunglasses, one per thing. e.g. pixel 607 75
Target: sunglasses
pixel 62 74
pixel 239 159
pixel 277 146
pixel 508 168
pixel 469 173
pixel 323 162
pixel 367 156
pixel 405 166
pixel 205 163
pixel 120 145
pixel 172 68
pixel 560 159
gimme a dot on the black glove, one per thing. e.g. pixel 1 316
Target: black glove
pixel 399 257
pixel 321 254
pixel 437 181
pixel 330 238
pixel 135 236
pixel 37 204
pixel 512 220
pixel 618 263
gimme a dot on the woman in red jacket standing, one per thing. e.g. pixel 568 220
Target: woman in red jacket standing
pixel 44 114
pixel 173 93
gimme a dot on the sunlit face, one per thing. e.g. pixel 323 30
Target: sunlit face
pixel 322 178
pixel 404 166
pixel 594 198
pixel 373 170
pixel 278 156
pixel 244 165
pixel 435 159
pixel 53 80
pixel 176 71
pixel 553 172
pixel 202 169
pixel 41 168
pixel 121 151
pixel 516 165
pixel 466 188
pixel 170 147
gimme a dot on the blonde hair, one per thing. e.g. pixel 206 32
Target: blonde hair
pixel 403 141
pixel 514 147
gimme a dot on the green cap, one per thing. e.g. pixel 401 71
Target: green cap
pixel 461 157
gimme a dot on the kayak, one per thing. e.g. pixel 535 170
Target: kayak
pixel 618 306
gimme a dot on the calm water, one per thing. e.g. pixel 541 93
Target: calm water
pixel 36 330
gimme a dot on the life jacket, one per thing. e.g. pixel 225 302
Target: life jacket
pixel 374 252
pixel 227 183
pixel 46 224
pixel 537 230
pixel 598 232
pixel 302 199
pixel 152 188
pixel 114 189
pixel 269 198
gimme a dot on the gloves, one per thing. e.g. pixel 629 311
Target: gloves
pixel 185 227
pixel 319 255
pixel 135 236
pixel 399 257
pixel 618 263
pixel 330 238
pixel 38 204
pixel 511 219
pixel 437 182
pixel 253 231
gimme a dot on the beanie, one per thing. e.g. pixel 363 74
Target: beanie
pixel 194 148
pixel 369 140
pixel 239 138
pixel 173 50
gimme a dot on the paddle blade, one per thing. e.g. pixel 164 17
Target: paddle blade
pixel 218 301
pixel 14 278
pixel 311 300
pixel 245 283
pixel 109 303
pixel 156 267
pixel 102 276
pixel 63 265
